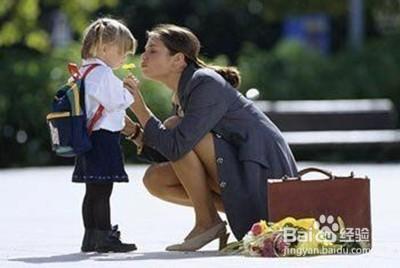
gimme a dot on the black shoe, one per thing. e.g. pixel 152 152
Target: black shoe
pixel 89 238
pixel 115 232
pixel 109 241
pixel 89 241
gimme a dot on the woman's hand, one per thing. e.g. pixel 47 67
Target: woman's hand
pixel 139 106
pixel 130 127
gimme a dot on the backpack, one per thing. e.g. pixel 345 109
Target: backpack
pixel 67 120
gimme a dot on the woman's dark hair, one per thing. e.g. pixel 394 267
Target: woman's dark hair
pixel 180 39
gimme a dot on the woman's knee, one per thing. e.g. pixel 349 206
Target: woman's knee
pixel 172 122
pixel 149 179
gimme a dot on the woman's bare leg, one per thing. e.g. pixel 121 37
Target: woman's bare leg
pixel 193 177
pixel 191 184
pixel 205 151
pixel 162 182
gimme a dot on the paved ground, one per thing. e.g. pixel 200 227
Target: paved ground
pixel 40 224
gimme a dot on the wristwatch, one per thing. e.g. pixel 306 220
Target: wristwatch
pixel 133 136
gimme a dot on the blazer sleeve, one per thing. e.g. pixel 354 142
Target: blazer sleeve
pixel 205 107
pixel 150 155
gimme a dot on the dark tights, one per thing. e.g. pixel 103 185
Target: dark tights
pixel 96 206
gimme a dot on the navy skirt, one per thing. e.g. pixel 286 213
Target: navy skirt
pixel 104 163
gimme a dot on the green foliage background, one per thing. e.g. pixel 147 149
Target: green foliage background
pixel 290 71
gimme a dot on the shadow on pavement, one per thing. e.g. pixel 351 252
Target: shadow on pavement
pixel 73 257
pixel 161 255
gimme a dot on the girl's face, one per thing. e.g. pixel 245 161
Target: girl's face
pixel 156 61
pixel 112 55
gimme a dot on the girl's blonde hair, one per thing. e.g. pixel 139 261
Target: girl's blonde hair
pixel 106 31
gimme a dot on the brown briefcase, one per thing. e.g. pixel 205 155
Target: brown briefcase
pixel 323 199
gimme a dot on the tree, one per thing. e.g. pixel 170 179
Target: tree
pixel 25 22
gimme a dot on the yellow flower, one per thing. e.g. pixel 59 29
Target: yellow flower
pixel 264 227
pixel 307 223
pixel 286 221
pixel 129 66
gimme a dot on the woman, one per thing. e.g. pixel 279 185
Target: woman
pixel 219 150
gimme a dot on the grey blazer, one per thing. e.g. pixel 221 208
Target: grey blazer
pixel 249 147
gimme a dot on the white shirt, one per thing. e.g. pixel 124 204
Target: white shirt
pixel 103 87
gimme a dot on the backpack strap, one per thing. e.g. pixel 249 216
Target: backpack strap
pixel 88 69
pixel 97 115
pixel 99 112
pixel 73 70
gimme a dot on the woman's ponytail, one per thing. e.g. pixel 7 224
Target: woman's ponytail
pixel 229 73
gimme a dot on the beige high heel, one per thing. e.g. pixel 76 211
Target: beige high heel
pixel 199 241
pixel 223 241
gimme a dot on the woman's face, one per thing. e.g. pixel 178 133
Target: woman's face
pixel 156 61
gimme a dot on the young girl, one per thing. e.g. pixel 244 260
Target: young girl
pixel 106 43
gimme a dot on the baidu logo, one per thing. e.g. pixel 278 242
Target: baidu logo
pixel 329 227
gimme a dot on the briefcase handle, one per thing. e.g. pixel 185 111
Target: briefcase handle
pixel 305 171
pixel 329 174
